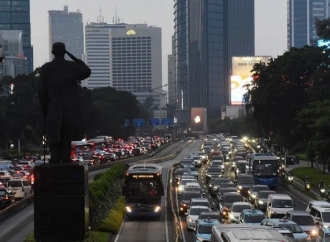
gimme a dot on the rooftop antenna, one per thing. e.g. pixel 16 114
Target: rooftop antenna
pixel 116 18
pixel 100 18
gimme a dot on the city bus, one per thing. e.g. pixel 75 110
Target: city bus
pixel 143 190
pixel 79 147
pixel 264 169
pixel 99 144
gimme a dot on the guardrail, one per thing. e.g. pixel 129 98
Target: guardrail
pixel 16 207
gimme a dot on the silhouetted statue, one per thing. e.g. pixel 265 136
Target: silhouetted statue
pixel 59 96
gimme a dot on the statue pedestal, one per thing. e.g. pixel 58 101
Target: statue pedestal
pixel 61 211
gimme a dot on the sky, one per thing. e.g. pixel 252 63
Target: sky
pixel 270 22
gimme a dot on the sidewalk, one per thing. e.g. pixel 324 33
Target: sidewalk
pixel 304 163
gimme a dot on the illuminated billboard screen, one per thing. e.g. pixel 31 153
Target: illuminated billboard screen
pixel 241 75
pixel 198 120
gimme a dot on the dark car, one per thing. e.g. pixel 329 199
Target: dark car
pixel 261 199
pixel 178 173
pixel 7 197
pixel 241 166
pixel 255 189
pixel 244 182
pixel 215 184
pixel 227 199
pixel 213 172
pixel 224 190
pixel 184 200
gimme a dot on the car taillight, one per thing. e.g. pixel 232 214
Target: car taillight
pixel 6 197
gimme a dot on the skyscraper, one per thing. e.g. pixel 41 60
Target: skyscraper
pixel 66 27
pixel 171 76
pixel 301 16
pixel 207 34
pixel 127 57
pixel 15 15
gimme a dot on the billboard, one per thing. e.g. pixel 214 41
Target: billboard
pixel 241 75
pixel 198 120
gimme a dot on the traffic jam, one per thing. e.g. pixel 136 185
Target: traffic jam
pixel 17 177
pixel 225 182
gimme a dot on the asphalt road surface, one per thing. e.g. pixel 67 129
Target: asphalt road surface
pixel 150 229
pixel 190 235
pixel 15 228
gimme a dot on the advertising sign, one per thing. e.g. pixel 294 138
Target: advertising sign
pixel 198 120
pixel 241 75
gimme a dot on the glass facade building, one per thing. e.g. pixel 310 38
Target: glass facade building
pixel 15 15
pixel 207 34
pixel 66 27
pixel 301 16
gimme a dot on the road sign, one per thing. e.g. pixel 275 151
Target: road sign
pixel 154 121
pixel 138 122
pixel 127 123
pixel 167 121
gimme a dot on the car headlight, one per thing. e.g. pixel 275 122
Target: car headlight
pixel 190 220
pixel 239 187
pixel 215 188
pixel 231 216
pixel 261 202
pixel 181 188
pixel 313 232
pixel 210 185
pixel 128 209
pixel 157 209
pixel 253 196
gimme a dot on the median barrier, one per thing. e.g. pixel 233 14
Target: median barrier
pixel 16 207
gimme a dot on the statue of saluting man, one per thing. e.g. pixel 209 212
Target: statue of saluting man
pixel 58 91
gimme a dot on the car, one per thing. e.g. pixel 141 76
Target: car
pixel 305 221
pixel 184 200
pixel 241 166
pixel 192 215
pixel 25 163
pixel 296 230
pixel 261 199
pixel 224 190
pixel 178 173
pixel 251 216
pixel 235 211
pixel 217 163
pixel 203 229
pixel 213 172
pixel 244 182
pixel 317 203
pixel 226 200
pixel 192 186
pixel 212 215
pixel 193 171
pixel 20 186
pixel 214 185
pixel 200 202
pixel 7 197
pixel 254 190
pixel 182 184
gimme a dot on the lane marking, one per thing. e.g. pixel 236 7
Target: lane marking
pixel 166 187
pixel 117 237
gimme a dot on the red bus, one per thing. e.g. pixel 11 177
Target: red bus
pixel 99 144
pixel 79 147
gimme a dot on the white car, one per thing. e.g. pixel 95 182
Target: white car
pixel 182 184
pixel 236 209
pixel 20 186
pixel 192 215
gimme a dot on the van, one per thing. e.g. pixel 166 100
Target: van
pixel 20 186
pixel 238 232
pixel 278 205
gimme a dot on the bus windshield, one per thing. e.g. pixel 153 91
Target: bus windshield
pixel 143 191
pixel 265 167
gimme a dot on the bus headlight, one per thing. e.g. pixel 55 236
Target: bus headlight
pixel 157 209
pixel 128 209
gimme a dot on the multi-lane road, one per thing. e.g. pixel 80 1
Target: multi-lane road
pixel 15 228
pixel 18 226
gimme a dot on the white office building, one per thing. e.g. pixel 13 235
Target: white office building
pixel 127 57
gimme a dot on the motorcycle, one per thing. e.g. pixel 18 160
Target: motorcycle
pixel 290 178
pixel 307 186
pixel 322 191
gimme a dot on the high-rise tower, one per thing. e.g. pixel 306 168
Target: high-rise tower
pixel 15 15
pixel 66 27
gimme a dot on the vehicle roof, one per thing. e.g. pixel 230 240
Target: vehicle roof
pixel 240 161
pixel 232 194
pixel 260 186
pixel 245 232
pixel 208 221
pixel 198 206
pixel 318 202
pixel 200 199
pixel 143 167
pixel 280 221
pixel 244 175
pixel 299 212
pixel 194 184
pixel 252 211
pixel 210 213
pixel 241 203
pixel 322 209
pixel 17 179
pixel 279 196
pixel 268 191
pixel 192 191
